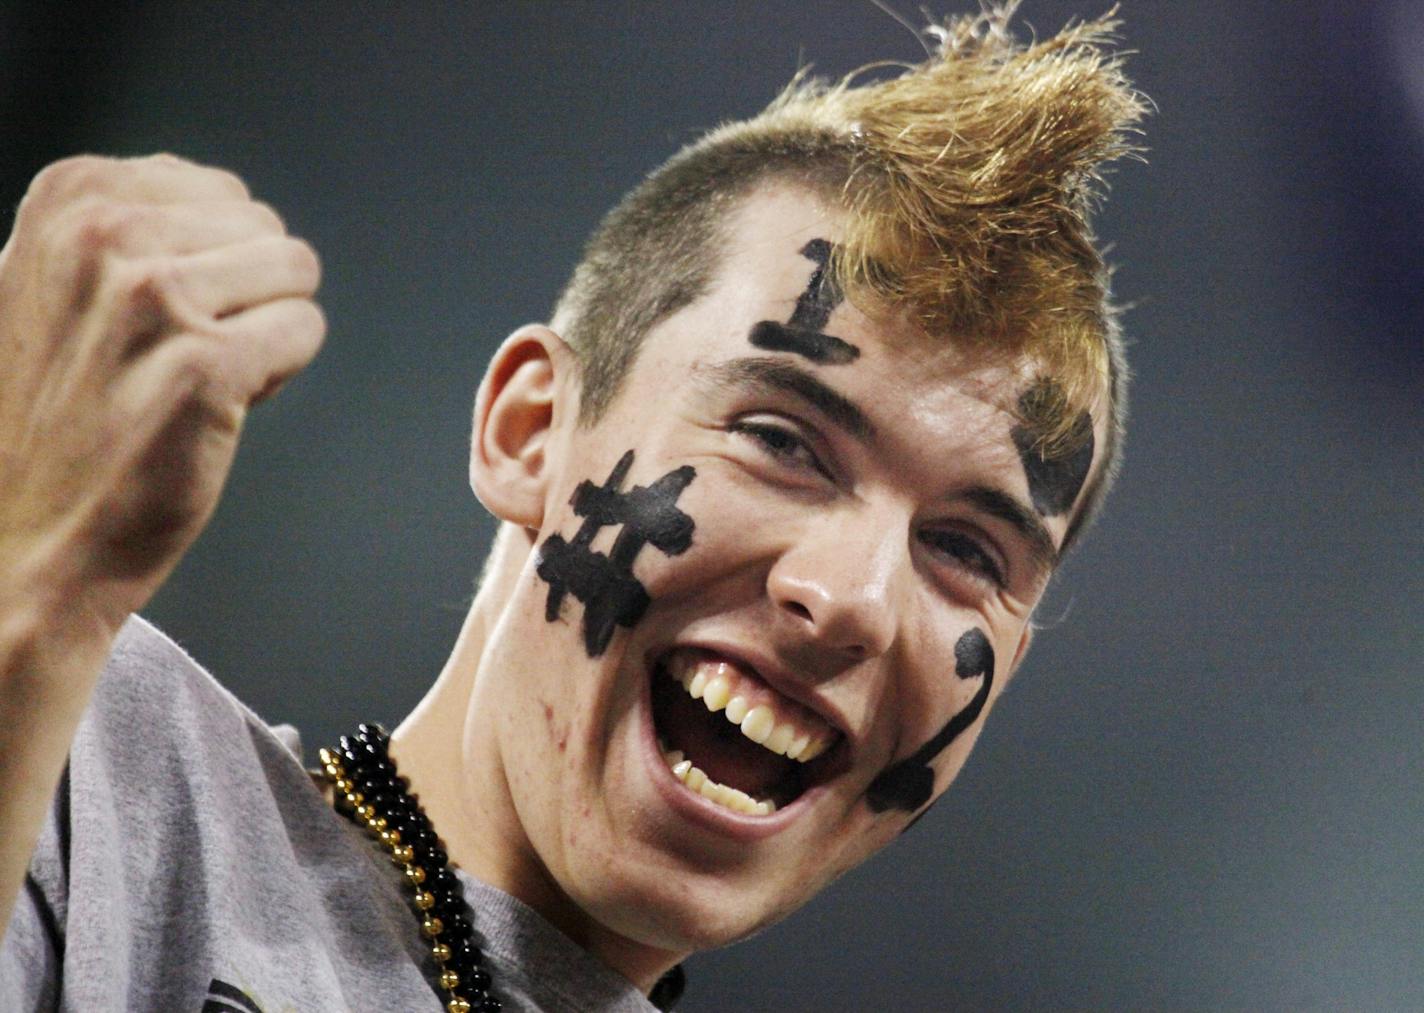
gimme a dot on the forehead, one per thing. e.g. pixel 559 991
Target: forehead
pixel 763 268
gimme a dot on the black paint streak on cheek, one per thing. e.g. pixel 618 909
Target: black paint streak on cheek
pixel 803 333
pixel 1054 483
pixel 908 784
pixel 917 817
pixel 610 594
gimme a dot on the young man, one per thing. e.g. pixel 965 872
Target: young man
pixel 780 484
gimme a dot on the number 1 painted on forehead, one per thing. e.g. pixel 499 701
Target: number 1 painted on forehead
pixel 803 333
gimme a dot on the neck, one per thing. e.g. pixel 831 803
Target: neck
pixel 462 787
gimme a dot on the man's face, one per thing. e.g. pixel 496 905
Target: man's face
pixel 793 525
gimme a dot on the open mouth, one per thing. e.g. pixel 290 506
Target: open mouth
pixel 728 736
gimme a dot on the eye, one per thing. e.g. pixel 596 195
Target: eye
pixel 966 551
pixel 779 442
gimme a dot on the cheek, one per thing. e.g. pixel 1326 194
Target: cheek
pixel 739 529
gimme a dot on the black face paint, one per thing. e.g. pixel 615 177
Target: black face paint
pixel 1053 483
pixel 611 595
pixel 909 784
pixel 802 334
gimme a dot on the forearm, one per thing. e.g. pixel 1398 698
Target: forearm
pixel 51 653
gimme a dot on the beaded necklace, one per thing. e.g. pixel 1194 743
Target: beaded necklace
pixel 370 793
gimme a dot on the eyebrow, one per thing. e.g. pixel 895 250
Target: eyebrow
pixel 761 373
pixel 1024 521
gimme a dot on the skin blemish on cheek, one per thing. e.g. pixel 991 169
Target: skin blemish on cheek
pixel 1053 483
pixel 803 333
pixel 610 594
pixel 908 784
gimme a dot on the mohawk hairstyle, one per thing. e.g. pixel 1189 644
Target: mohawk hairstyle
pixel 968 182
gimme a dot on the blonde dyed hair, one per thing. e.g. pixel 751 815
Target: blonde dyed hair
pixel 968 180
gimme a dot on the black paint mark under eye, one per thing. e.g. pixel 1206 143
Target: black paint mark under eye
pixel 802 334
pixel 908 784
pixel 611 595
pixel 1053 483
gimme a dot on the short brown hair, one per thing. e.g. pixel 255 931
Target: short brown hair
pixel 968 181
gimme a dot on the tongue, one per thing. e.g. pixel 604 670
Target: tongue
pixel 714 744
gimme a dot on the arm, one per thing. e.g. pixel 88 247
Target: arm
pixel 145 305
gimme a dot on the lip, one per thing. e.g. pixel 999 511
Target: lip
pixel 702 811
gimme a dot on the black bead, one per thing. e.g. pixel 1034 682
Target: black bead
pixel 452 900
pixel 373 734
pixel 489 1004
pixel 466 952
pixel 441 880
pixel 477 979
pixel 457 927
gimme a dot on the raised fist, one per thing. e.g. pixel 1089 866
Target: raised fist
pixel 145 304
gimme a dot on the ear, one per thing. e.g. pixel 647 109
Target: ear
pixel 516 412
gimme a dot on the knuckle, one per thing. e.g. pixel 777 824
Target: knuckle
pixel 269 217
pixel 304 262
pixel 233 182
pixel 100 225
pixel 149 287
pixel 190 370
pixel 68 175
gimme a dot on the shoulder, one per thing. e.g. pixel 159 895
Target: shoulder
pixel 150 683
pixel 161 731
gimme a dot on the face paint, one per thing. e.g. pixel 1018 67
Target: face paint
pixel 610 594
pixel 803 333
pixel 907 785
pixel 1053 483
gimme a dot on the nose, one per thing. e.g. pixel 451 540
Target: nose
pixel 837 583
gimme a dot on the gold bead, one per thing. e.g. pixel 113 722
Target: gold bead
pixel 390 838
pixel 327 757
pixel 371 821
pixel 362 809
pixel 432 926
pixel 402 854
pixel 415 874
pixel 458 1005
pixel 440 952
pixel 332 771
pixel 424 899
pixel 379 823
pixel 343 784
pixel 449 980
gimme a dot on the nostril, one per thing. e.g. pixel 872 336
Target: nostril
pixel 798 610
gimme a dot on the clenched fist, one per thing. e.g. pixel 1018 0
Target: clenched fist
pixel 145 305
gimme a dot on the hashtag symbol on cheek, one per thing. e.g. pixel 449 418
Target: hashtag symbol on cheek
pixel 605 584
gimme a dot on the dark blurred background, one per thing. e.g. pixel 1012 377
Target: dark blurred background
pixel 1206 789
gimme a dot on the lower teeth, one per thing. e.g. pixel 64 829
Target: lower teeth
pixel 727 797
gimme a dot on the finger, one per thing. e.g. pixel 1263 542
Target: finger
pixel 270 343
pixel 143 230
pixel 155 179
pixel 230 279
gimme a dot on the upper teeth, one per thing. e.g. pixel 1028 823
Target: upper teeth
pixel 768 720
